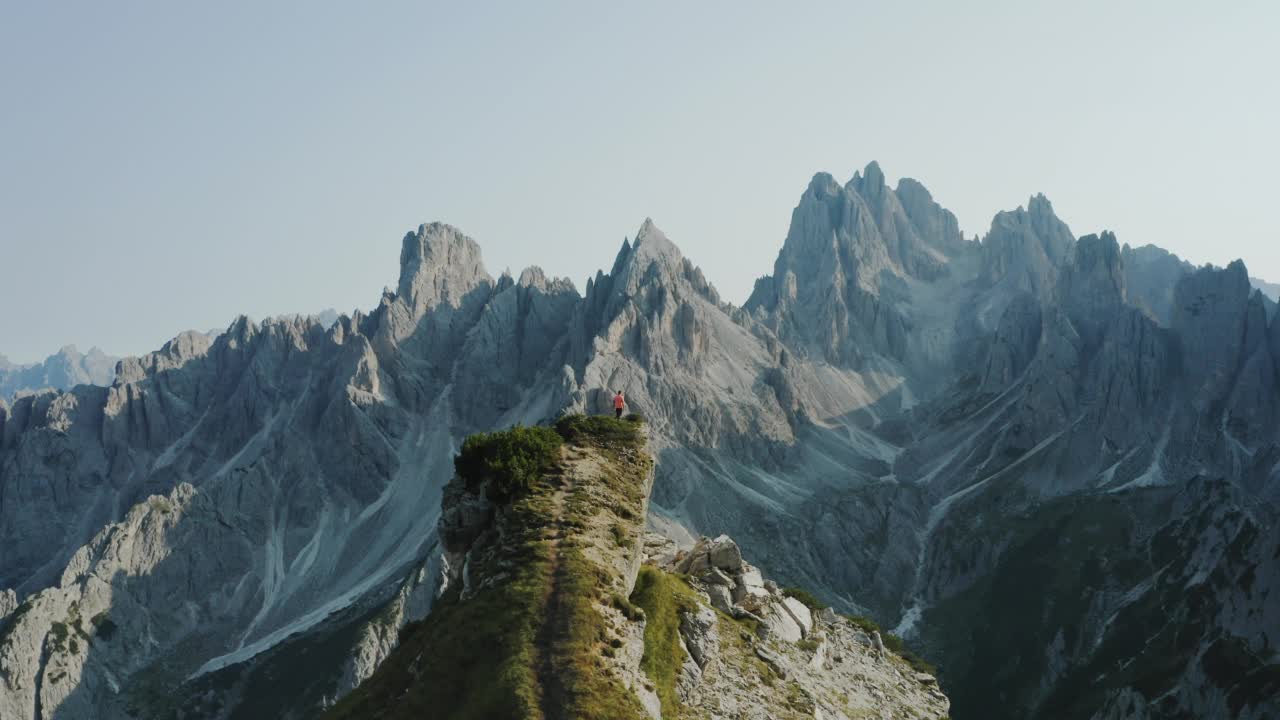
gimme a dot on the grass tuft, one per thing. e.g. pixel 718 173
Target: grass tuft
pixel 663 597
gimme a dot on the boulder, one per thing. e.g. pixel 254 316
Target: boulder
pixel 698 629
pixel 750 587
pixel 716 576
pixel 800 613
pixel 720 599
pixel 689 678
pixel 725 554
pixel 781 624
pixel 877 643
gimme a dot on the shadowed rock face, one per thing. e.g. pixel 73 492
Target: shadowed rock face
pixel 904 421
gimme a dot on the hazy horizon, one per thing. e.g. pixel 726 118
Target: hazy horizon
pixel 170 168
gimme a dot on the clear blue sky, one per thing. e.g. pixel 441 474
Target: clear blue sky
pixel 166 166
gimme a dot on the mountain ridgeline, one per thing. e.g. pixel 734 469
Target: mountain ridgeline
pixel 62 371
pixel 1050 463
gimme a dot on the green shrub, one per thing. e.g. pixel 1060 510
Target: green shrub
pixel 634 418
pixel 865 624
pixel 620 531
pixel 895 643
pixel 601 429
pixel 805 597
pixel 511 461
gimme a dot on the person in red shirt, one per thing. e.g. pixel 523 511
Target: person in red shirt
pixel 619 402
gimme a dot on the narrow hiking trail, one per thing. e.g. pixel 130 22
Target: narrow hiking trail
pixel 554 624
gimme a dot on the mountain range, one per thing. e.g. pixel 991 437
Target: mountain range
pixel 1049 462
pixel 61 371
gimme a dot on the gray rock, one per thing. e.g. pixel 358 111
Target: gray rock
pixel 724 554
pixel 876 643
pixel 799 612
pixel 698 629
pixel 720 598
pixel 782 624
pixel 716 576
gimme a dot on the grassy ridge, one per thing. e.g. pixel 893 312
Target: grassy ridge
pixel 533 644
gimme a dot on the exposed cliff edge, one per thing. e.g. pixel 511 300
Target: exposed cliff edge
pixel 546 612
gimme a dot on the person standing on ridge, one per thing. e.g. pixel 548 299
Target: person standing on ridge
pixel 619 402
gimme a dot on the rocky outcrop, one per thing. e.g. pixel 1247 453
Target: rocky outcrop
pixel 1025 248
pixel 781 658
pixel 1150 275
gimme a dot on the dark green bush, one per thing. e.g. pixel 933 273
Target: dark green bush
pixel 634 417
pixel 511 461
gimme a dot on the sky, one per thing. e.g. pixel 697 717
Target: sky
pixel 167 166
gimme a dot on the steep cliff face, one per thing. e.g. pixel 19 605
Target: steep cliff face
pixel 902 421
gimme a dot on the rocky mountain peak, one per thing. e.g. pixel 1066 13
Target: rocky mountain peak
pixel 1212 316
pixel 1025 248
pixel 1092 286
pixel 62 370
pixel 936 225
pixel 1151 273
pixel 870 182
pixel 652 244
pixel 532 276
pixel 1040 207
pixel 650 259
pixel 1097 257
pixel 822 184
pixel 439 264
